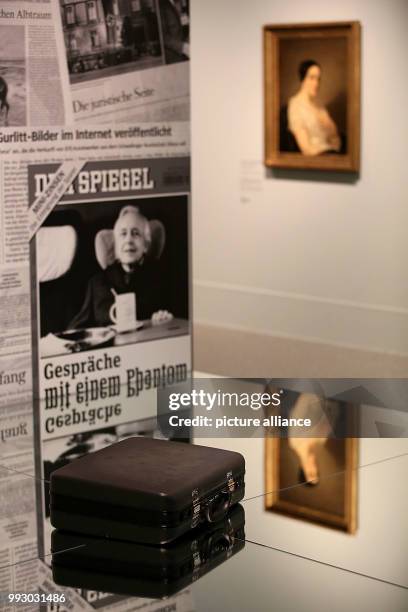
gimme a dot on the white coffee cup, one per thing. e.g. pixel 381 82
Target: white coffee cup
pixel 123 312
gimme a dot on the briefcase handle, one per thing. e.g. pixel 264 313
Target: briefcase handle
pixel 219 542
pixel 218 506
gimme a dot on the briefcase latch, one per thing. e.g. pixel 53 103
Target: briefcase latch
pixel 230 482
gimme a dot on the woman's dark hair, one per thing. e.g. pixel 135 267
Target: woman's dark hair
pixel 304 67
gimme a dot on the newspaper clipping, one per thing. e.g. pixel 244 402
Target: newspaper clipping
pixel 127 60
pixel 94 254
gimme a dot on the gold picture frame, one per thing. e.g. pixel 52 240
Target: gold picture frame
pixel 286 497
pixel 335 47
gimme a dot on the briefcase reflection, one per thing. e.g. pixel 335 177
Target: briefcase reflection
pixel 141 570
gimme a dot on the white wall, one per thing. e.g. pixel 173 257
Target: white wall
pixel 310 259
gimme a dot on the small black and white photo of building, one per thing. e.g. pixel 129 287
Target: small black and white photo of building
pixel 13 96
pixel 109 37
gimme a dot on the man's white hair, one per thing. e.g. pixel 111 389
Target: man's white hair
pixel 134 210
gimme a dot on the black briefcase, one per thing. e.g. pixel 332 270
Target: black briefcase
pixel 146 490
pixel 141 570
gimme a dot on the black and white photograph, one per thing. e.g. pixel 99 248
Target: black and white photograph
pixel 13 99
pixel 110 37
pixel 112 274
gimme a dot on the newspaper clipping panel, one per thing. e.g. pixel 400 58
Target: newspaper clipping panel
pixel 94 149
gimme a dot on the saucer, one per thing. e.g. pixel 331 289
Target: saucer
pixel 135 326
pixel 85 339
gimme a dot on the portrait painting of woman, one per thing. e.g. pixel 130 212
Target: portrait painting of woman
pixel 309 121
pixel 312 96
